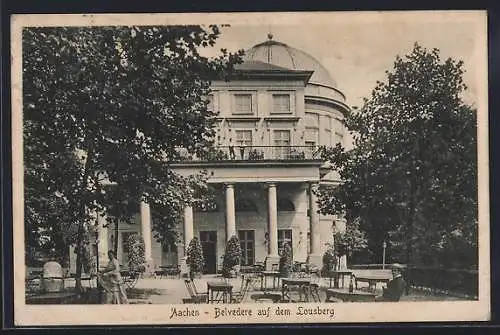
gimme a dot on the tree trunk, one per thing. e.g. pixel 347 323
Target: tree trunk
pixel 83 214
pixel 115 242
pixel 78 272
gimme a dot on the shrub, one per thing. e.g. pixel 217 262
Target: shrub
pixel 232 256
pixel 136 256
pixel 286 261
pixel 329 261
pixel 195 259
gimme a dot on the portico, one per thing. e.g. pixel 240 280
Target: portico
pixel 270 223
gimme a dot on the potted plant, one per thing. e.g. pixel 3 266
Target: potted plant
pixel 286 261
pixel 232 258
pixel 195 259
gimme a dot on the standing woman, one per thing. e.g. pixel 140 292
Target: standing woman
pixel 111 280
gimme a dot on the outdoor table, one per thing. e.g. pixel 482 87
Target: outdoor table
pixel 263 279
pixel 304 286
pixel 372 280
pixel 336 274
pixel 223 292
pixel 51 298
pixel 346 296
pixel 266 297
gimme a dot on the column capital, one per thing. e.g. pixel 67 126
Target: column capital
pixel 271 184
pixel 229 185
pixel 313 185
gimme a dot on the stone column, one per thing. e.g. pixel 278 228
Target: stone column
pixel 146 234
pixel 103 241
pixel 188 227
pixel 188 236
pixel 315 241
pixel 230 212
pixel 272 224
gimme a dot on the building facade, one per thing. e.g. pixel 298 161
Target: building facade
pixel 281 105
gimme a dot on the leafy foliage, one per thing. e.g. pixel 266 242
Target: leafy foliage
pixel 412 177
pixel 136 256
pixel 232 256
pixel 105 111
pixel 195 258
pixel 286 261
pixel 350 241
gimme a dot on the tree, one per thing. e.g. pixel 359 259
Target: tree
pixel 350 240
pixel 195 258
pixel 412 177
pixel 106 110
pixel 232 256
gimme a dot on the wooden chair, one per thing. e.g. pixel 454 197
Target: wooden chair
pixel 194 296
pixel 240 295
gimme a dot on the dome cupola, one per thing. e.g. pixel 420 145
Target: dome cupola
pixel 280 54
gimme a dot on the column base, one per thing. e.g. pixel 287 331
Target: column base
pixel 315 260
pixel 272 263
pixel 149 268
pixel 183 266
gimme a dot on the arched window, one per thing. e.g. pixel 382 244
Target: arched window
pixel 285 205
pixel 245 205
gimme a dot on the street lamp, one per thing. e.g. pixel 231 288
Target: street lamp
pixel 384 245
pixel 97 264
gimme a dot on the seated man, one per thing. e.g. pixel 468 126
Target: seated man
pixel 395 287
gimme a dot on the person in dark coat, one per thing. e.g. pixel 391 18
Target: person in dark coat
pixel 395 287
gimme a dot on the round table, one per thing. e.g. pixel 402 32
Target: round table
pixel 346 296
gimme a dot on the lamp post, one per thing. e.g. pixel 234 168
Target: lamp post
pixel 97 265
pixel 384 245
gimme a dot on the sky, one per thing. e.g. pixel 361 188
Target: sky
pixel 357 49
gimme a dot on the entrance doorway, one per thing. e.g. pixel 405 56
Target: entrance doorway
pixel 208 241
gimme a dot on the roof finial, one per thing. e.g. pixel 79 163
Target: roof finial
pixel 269 36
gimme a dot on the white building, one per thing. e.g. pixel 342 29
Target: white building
pixel 282 104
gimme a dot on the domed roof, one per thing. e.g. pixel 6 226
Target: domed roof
pixel 280 54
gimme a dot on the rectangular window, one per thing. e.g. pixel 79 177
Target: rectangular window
pixel 310 148
pixel 311 120
pixel 281 144
pixel 281 104
pixel 244 138
pixel 243 104
pixel 311 135
pixel 247 243
pixel 284 235
pixel 169 247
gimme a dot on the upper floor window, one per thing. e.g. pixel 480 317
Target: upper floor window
pixel 244 138
pixel 243 104
pixel 311 120
pixel 281 104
